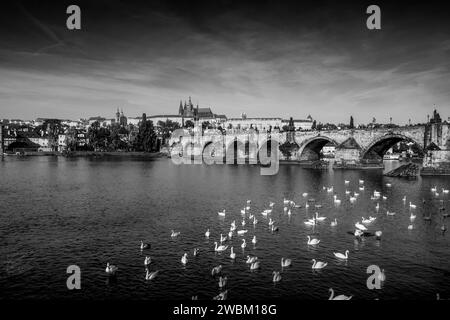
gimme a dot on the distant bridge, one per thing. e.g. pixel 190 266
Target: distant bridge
pixel 356 146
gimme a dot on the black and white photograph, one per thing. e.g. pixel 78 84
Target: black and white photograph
pixel 250 151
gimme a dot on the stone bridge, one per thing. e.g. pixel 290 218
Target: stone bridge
pixel 357 146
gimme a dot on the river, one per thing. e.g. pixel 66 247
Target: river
pixel 56 212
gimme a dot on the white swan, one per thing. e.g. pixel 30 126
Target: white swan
pixel 243 223
pixel 318 264
pixel 184 259
pixel 216 270
pixel 307 205
pixel 242 232
pixel 221 296
pixel 377 207
pixel 244 244
pixel 144 245
pixel 339 297
pixel 271 222
pixel 404 199
pixel 151 275
pixel 222 238
pixel 254 240
pixel 243 211
pixel 312 242
pixel 196 251
pixel 254 265
pixel 232 254
pixel 434 189
pixel 230 234
pixel 285 262
pixel 372 218
pixel 249 201
pixel 352 199
pixel 390 213
pixel 410 227
pixel 251 259
pixel 365 221
pixel 360 226
pixel 207 233
pixel 147 261
pixel 305 194
pixel 276 276
pixel 285 201
pixel 330 189
pixel 361 188
pixel 221 213
pixel 311 222
pixel 412 217
pixel 175 234
pixel 334 223
pixel 361 181
pixel 346 181
pixel 388 185
pixel 319 218
pixel 219 248
pixel 271 204
pixel 222 281
pixel 412 206
pixel 347 191
pixel 341 256
pixel 111 269
pixel 445 190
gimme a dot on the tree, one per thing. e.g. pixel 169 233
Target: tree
pixel 52 127
pixel 146 137
pixel 314 125
pixel 167 127
pixel 352 125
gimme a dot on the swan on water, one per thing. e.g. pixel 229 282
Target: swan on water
pixel 412 217
pixel 251 259
pixel 254 265
pixel 305 194
pixel 390 213
pixel 243 223
pixel 216 270
pixel 232 254
pixel 254 240
pixel 221 213
pixel 151 275
pixel 273 228
pixel 334 223
pixel 244 244
pixel 361 181
pixel 184 259
pixel 221 296
pixel 341 256
pixel 312 242
pixel 147 261
pixel 412 206
pixel 222 238
pixel 318 264
pixel 319 218
pixel 222 281
pixel 285 262
pixel 242 232
pixel 311 222
pixel 219 248
pixel 365 221
pixel 339 297
pixel 346 181
pixel 377 207
pixel 175 234
pixel 207 233
pixel 360 226
pixel 388 185
pixel 404 199
pixel 144 245
pixel 276 276
pixel 230 234
pixel 111 269
pixel 410 227
pixel 196 251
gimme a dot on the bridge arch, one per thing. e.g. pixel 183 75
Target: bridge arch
pixel 310 149
pixel 378 148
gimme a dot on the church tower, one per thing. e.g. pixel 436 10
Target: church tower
pixel 117 115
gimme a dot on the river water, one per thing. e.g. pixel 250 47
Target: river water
pixel 56 212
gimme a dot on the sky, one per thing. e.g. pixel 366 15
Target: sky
pixel 264 58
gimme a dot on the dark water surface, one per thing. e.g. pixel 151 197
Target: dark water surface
pixel 56 212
